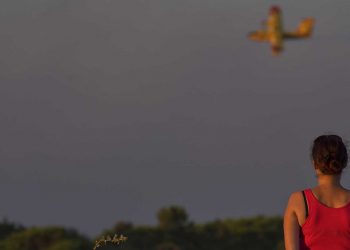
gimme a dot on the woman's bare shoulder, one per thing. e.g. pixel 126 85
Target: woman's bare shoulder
pixel 296 207
pixel 296 201
pixel 296 196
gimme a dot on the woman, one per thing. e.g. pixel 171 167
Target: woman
pixel 319 218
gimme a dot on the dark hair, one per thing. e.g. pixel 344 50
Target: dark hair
pixel 329 154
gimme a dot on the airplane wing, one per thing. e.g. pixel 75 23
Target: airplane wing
pixel 304 30
pixel 259 35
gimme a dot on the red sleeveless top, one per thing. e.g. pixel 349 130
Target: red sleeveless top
pixel 325 228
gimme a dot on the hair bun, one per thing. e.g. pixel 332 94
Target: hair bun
pixel 329 154
pixel 333 167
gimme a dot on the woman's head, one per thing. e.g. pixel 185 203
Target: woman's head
pixel 329 154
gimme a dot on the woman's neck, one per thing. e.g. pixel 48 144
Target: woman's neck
pixel 328 181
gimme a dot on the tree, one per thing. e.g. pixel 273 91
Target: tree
pixel 44 239
pixel 167 246
pixel 122 227
pixel 7 228
pixel 68 245
pixel 172 217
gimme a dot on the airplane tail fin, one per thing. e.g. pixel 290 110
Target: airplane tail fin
pixel 305 27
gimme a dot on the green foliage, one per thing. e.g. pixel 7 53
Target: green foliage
pixel 51 238
pixel 172 217
pixel 280 245
pixel 167 246
pixel 122 227
pixel 7 228
pixel 254 233
pixel 68 245
pixel 174 232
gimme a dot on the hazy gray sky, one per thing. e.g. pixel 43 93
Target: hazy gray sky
pixel 111 109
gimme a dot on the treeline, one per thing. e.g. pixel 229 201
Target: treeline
pixel 173 232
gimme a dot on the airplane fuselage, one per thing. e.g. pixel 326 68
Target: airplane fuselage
pixel 275 29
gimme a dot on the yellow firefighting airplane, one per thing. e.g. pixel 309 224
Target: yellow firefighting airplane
pixel 275 34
